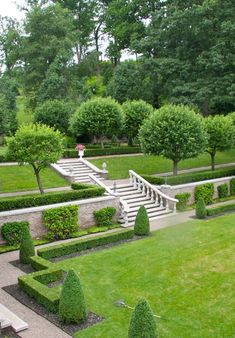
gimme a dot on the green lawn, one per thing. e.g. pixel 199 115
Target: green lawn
pixel 186 272
pixel 22 178
pixel 118 167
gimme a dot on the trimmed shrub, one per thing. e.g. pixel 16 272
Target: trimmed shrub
pixel 71 153
pixel 84 244
pixel 13 232
pixel 232 187
pixel 220 209
pixel 81 186
pixel 141 227
pixel 61 222
pixel 52 198
pixel 26 248
pixel 222 190
pixel 72 305
pixel 157 180
pixel 142 322
pixel 183 200
pixel 206 191
pixel 103 217
pixel 201 208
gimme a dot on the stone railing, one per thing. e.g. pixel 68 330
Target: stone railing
pixel 152 192
pixel 96 181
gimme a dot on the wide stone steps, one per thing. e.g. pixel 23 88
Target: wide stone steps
pixel 8 318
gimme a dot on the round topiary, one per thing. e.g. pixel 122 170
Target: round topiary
pixel 72 305
pixel 141 227
pixel 201 208
pixel 26 248
pixel 142 324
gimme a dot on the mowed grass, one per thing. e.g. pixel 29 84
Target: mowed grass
pixel 186 272
pixel 118 167
pixel 21 178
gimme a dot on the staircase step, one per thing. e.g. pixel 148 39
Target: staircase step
pixel 133 196
pixel 147 207
pixel 129 192
pixel 4 323
pixel 155 215
pixel 17 323
pixel 149 211
pixel 145 202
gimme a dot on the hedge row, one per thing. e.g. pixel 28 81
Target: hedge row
pixel 38 263
pixel 220 209
pixel 191 177
pixel 103 152
pixel 35 285
pixel 84 244
pixel 52 198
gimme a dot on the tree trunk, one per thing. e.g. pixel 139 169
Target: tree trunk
pixel 212 161
pixel 175 167
pixel 38 180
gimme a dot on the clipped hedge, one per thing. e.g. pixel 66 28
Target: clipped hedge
pixel 81 186
pixel 39 263
pixel 103 152
pixel 183 200
pixel 35 285
pixel 220 209
pixel 232 187
pixel 157 180
pixel 12 232
pixel 84 244
pixel 223 190
pixel 52 198
pixel 206 191
pixel 104 216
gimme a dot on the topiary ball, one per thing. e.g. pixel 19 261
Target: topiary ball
pixel 142 227
pixel 201 208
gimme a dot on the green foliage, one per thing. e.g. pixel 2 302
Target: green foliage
pixel 157 180
pixel 220 209
pixel 200 208
pixel 54 113
pixel 51 198
pixel 38 263
pixel 84 244
pixel 223 190
pixel 98 117
pixel 134 114
pixel 232 187
pixel 142 322
pixel 103 152
pixel 142 227
pixel 26 247
pixel 13 232
pixel 221 133
pixel 103 217
pixel 206 191
pixel 81 186
pixel 72 305
pixel 176 132
pixel 36 144
pixel 8 122
pixel 61 222
pixel 183 200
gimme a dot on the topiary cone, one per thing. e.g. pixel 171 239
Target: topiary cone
pixel 141 226
pixel 72 305
pixel 201 208
pixel 26 247
pixel 142 324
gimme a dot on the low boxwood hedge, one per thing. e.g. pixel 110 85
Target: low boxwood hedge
pixel 220 209
pixel 103 151
pixel 84 244
pixel 39 263
pixel 52 198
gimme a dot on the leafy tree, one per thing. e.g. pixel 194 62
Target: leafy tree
pixel 8 122
pixel 36 144
pixel 174 131
pixel 72 305
pixel 54 113
pixel 26 247
pixel 134 113
pixel 142 227
pixel 142 322
pixel 97 117
pixel 220 133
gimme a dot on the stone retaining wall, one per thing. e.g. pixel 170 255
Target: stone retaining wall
pixel 172 190
pixel 34 215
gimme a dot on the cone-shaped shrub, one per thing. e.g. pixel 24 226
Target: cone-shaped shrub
pixel 141 226
pixel 72 305
pixel 142 324
pixel 201 208
pixel 26 247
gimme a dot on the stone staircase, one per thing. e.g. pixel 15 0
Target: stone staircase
pixel 78 170
pixel 9 319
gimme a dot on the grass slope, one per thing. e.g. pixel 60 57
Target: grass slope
pixel 22 178
pixel 118 167
pixel 186 273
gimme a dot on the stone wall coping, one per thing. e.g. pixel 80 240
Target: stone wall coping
pixel 57 205
pixel 194 184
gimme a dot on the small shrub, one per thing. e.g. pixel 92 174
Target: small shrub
pixel 61 222
pixel 183 200
pixel 104 216
pixel 221 209
pixel 201 208
pixel 142 322
pixel 81 186
pixel 13 232
pixel 26 248
pixel 232 187
pixel 72 305
pixel 141 227
pixel 222 190
pixel 206 191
